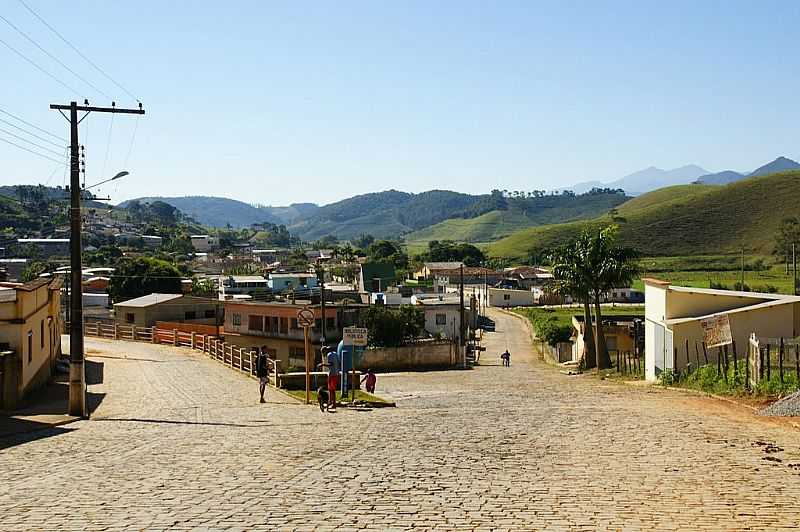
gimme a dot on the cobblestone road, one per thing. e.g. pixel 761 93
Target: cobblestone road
pixel 180 442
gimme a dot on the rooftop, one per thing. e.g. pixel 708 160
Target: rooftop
pixel 149 300
pixel 443 265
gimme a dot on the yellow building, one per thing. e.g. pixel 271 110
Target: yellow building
pixel 30 337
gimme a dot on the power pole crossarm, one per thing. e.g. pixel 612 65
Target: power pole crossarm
pixel 93 109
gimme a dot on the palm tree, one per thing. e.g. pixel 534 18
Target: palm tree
pixel 568 274
pixel 604 266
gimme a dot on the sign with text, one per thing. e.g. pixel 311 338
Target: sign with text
pixel 717 331
pixel 356 336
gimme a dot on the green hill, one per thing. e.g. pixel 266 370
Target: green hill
pixel 519 213
pixel 684 220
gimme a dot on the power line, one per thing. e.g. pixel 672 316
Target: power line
pixel 31 134
pixel 23 139
pixel 33 152
pixel 23 56
pixel 51 28
pixel 54 58
pixel 15 117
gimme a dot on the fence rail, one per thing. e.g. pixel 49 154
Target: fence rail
pixel 239 358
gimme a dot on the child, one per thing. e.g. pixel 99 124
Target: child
pixel 370 379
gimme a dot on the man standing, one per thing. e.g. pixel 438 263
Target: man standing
pixel 333 377
pixel 262 371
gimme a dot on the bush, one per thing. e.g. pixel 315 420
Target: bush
pixel 547 327
pixel 667 377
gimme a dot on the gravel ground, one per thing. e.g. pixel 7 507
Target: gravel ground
pixel 788 406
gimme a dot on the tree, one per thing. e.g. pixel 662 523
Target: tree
pixel 569 281
pixel 135 277
pixel 363 241
pixel 604 265
pixel 33 271
pixel 393 328
pixel 448 251
pixel 387 251
pixel 788 234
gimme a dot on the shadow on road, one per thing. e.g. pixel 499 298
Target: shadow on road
pixel 172 422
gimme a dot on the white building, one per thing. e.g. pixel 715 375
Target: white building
pixel 507 297
pixel 673 316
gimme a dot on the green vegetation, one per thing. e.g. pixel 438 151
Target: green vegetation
pixel 135 277
pixel 559 317
pixel 519 211
pixel 684 220
pixel 448 251
pixel 547 326
pixel 393 327
pixel 708 379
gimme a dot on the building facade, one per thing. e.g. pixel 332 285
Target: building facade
pixel 146 310
pixel 30 337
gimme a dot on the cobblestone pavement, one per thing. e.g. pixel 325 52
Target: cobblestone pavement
pixel 180 442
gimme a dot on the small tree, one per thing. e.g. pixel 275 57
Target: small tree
pixel 135 277
pixel 570 281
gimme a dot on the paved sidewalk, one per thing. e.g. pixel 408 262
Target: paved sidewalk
pixel 179 441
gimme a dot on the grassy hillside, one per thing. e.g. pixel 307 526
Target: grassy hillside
pixel 518 214
pixel 684 220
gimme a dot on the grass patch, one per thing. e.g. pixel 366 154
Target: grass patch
pixel 761 274
pixel 709 380
pixel 360 396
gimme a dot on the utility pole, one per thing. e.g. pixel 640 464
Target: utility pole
pixel 742 285
pixel 321 278
pixel 461 331
pixel 77 374
pixel 794 265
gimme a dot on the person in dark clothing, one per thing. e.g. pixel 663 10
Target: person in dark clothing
pixel 262 371
pixel 506 358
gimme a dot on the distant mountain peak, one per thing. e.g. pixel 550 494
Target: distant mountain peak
pixel 781 164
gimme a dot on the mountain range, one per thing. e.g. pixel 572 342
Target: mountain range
pixel 781 164
pixel 646 180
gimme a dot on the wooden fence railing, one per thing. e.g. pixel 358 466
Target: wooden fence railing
pixel 240 358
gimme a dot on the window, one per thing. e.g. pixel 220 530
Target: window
pixel 506 297
pixel 209 314
pixel 41 334
pixel 255 323
pixel 236 319
pixel 441 319
pixel 293 324
pixel 30 347
pixel 318 324
pixel 284 326
pixel 129 317
pixel 189 315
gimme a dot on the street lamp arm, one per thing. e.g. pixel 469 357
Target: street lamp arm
pixel 119 175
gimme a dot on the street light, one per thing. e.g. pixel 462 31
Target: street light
pixel 119 175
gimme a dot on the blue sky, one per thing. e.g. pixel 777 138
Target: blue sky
pixel 285 102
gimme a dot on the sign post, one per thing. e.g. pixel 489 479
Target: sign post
pixel 305 318
pixel 354 337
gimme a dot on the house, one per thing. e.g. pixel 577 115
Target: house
pixel 282 282
pixel 528 277
pixel 48 247
pixel 508 297
pixel 204 242
pixel 675 315
pixel 443 315
pixel 471 275
pixel 623 295
pixel 134 239
pixel 376 276
pixel 146 310
pixel 251 285
pixel 319 255
pixel 270 256
pixel 431 270
pixel 274 324
pixel 621 333
pixel 30 337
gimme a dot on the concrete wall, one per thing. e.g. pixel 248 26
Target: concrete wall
pixel 502 297
pixel 419 356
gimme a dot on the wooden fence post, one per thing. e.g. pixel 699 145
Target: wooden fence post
pixel 688 362
pixel 719 361
pixel 116 331
pixel 154 338
pixel 705 353
pixel 192 340
pixel 747 367
pixel 175 337
pixel 797 363
pixel 769 363
pixel 781 360
pixel 725 365
pixel 735 363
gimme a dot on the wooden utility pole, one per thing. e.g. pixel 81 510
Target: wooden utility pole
pixel 77 374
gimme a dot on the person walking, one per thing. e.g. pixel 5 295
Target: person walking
pixel 506 358
pixel 262 371
pixel 333 377
pixel 370 380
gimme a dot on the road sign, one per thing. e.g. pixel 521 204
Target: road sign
pixel 305 317
pixel 356 336
pixel 717 331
